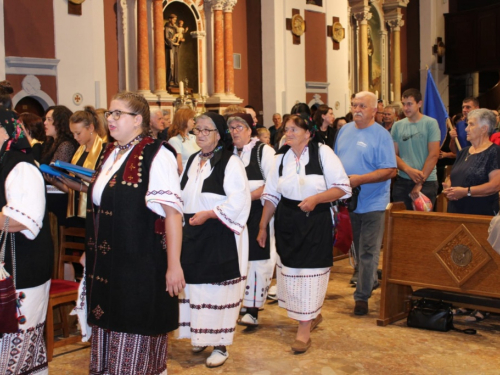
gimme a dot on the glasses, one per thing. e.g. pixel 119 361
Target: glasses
pixel 117 114
pixel 359 105
pixel 236 129
pixel 205 132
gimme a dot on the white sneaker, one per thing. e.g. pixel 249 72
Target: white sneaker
pixel 217 358
pixel 198 349
pixel 272 293
pixel 248 320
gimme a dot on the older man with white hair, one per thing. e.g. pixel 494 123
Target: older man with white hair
pixel 157 123
pixel 367 152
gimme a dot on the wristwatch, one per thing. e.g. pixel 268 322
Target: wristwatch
pixel 469 194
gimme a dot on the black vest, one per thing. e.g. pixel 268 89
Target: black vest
pixel 209 251
pixel 253 169
pixel 126 259
pixel 312 167
pixel 34 258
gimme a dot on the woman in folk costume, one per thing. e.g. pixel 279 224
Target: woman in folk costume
pixel 22 198
pixel 214 257
pixel 305 178
pixel 258 159
pixel 87 131
pixel 133 236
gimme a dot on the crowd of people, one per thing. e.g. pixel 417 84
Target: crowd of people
pixel 206 208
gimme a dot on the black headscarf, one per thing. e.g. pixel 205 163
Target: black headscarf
pixel 248 119
pixel 220 123
pixel 17 137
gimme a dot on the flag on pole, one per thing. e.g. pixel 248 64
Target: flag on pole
pixel 433 105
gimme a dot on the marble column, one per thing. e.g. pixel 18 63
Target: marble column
pixel 217 7
pixel 159 51
pixel 362 18
pixel 228 47
pixel 395 25
pixel 142 47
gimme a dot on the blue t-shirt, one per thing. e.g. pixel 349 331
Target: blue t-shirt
pixel 461 134
pixel 362 151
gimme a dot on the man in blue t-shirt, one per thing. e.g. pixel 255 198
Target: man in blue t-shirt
pixel 417 142
pixel 468 104
pixel 367 153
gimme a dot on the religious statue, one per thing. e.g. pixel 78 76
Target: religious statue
pixel 174 36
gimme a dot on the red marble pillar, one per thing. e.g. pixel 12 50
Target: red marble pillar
pixel 228 48
pixel 219 50
pixel 160 64
pixel 142 46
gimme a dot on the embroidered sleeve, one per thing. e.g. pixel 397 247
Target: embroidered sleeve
pixel 25 198
pixel 271 189
pixel 234 211
pixel 164 184
pixel 334 171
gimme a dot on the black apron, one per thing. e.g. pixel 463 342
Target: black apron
pixel 254 172
pixel 304 240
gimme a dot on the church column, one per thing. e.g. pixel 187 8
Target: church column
pixel 228 47
pixel 142 47
pixel 395 25
pixel 159 52
pixel 217 6
pixel 362 16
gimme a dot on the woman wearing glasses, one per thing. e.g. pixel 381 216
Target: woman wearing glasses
pixel 305 178
pixel 215 242
pixel 257 159
pixel 133 271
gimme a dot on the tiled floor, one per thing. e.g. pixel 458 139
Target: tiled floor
pixel 342 344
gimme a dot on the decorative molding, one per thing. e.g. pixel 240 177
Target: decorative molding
pixel 317 86
pixel 216 4
pixel 198 34
pixel 229 5
pixel 31 65
pixel 362 15
pixel 44 98
pixel 395 23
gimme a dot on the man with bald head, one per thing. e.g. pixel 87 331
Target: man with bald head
pixel 367 153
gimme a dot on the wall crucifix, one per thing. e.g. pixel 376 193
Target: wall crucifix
pixel 297 25
pixel 336 32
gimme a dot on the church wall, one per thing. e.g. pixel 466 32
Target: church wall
pixel 111 50
pixel 307 72
pixel 431 27
pixel 29 28
pixel 80 47
pixel 240 46
pixel 338 61
pixel 254 50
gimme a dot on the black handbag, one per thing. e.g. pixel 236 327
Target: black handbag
pixel 352 202
pixel 433 315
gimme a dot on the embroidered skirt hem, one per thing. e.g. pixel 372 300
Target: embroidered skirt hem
pixel 302 291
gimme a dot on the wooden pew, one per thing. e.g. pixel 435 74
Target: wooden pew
pixel 447 252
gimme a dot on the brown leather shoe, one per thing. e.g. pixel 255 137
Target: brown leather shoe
pixel 316 321
pixel 361 308
pixel 301 346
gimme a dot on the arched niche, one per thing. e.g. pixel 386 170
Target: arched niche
pixel 188 51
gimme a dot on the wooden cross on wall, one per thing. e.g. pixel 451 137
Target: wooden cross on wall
pixel 296 25
pixel 329 32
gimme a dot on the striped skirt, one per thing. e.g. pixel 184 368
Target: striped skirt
pixel 118 353
pixel 208 312
pixel 301 291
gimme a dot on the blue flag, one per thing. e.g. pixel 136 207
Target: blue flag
pixel 433 105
